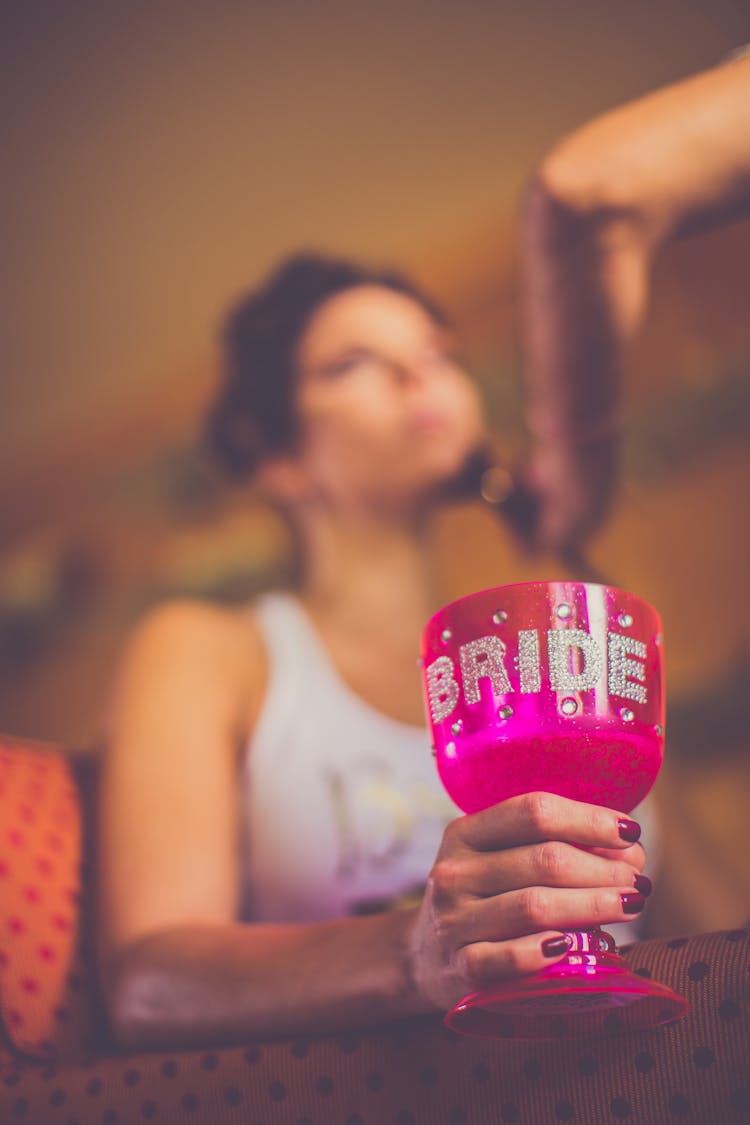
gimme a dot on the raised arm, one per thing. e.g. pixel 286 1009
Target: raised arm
pixel 597 210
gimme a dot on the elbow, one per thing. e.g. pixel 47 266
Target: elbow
pixel 553 218
pixel 572 201
pixel 127 1016
pixel 133 993
pixel 559 204
pixel 156 997
pixel 563 182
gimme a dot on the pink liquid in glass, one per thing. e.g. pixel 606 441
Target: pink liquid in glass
pixel 586 763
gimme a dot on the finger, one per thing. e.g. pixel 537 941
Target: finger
pixel 486 961
pixel 634 855
pixel 551 864
pixel 540 908
pixel 534 817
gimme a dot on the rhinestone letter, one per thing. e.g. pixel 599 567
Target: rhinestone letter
pixel 528 660
pixel 623 671
pixel 483 657
pixel 562 678
pixel 442 688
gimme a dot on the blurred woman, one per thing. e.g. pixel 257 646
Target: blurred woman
pixel 270 808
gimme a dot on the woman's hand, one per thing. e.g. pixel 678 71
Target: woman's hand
pixel 509 880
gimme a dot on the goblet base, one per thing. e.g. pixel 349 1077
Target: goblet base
pixel 590 992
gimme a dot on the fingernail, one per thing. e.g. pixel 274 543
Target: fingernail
pixel 643 884
pixel 632 903
pixel 554 946
pixel 629 830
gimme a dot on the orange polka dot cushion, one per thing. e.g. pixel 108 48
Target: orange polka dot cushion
pixel 41 1001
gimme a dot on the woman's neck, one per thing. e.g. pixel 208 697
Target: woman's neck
pixel 369 575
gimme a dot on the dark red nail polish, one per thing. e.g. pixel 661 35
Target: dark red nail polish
pixel 554 946
pixel 643 884
pixel 629 830
pixel 632 903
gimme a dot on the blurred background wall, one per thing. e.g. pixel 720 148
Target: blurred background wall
pixel 160 157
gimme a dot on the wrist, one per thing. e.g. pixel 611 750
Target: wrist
pixel 415 986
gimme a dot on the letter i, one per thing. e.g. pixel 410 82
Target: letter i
pixel 528 661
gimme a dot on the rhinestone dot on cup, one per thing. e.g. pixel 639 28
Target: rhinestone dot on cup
pixel 457 727
pixel 564 611
pixel 505 711
pixel 626 714
pixel 624 620
pixel 500 617
pixel 569 706
pixel 446 635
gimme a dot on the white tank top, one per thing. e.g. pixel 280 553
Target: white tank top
pixel 341 809
pixel 341 806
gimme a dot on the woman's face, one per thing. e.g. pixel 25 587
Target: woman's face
pixel 386 412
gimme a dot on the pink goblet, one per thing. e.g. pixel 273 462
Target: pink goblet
pixel 556 687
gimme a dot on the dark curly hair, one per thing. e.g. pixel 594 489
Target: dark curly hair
pixel 253 414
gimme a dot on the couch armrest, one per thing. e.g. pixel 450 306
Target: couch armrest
pixel 415 1071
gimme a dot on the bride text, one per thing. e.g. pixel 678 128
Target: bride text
pixel 575 662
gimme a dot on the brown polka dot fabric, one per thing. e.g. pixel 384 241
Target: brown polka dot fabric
pixel 416 1072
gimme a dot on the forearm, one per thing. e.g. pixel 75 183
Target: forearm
pixel 201 984
pixel 585 282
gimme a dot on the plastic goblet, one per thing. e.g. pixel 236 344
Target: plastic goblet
pixel 552 686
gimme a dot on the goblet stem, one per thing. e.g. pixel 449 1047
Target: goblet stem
pixel 590 992
pixel 590 942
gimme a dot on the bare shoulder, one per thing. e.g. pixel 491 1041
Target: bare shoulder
pixel 186 642
pixel 194 622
